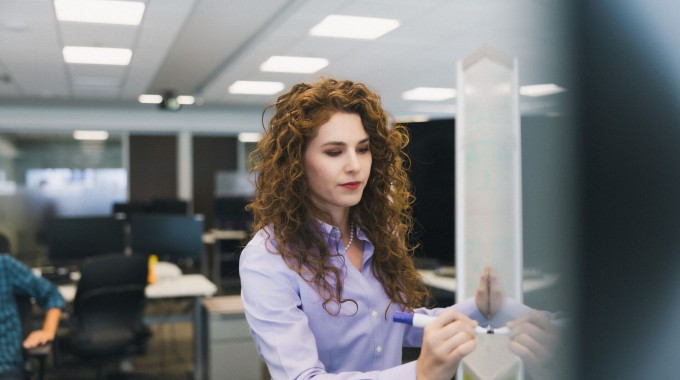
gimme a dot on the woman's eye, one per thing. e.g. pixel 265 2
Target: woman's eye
pixel 364 150
pixel 333 153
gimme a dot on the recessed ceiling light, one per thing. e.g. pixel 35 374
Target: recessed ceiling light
pixel 255 87
pixel 540 89
pixel 429 93
pixel 367 28
pixel 282 64
pixel 97 55
pixel 150 98
pixel 91 135
pixel 100 11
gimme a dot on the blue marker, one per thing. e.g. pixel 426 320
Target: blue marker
pixel 421 320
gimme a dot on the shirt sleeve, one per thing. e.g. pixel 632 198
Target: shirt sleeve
pixel 26 283
pixel 270 295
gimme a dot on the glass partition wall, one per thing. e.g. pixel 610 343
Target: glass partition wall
pixel 43 175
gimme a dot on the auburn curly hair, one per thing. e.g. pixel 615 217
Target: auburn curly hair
pixel 282 200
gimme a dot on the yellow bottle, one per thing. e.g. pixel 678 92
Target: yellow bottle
pixel 153 260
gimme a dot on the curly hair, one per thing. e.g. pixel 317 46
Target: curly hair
pixel 282 199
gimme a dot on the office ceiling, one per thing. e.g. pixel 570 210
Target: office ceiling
pixel 200 47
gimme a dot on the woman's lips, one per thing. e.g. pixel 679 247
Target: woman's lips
pixel 351 185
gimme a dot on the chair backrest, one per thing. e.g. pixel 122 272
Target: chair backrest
pixel 5 246
pixel 111 292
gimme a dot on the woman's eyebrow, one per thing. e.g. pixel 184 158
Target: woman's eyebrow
pixel 334 143
pixel 340 143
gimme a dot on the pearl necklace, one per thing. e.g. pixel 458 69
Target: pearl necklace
pixel 351 236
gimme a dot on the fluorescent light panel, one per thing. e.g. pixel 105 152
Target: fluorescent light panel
pixel 367 28
pixel 150 99
pixel 255 87
pixel 429 93
pixel 284 64
pixel 540 89
pixel 157 99
pixel 90 135
pixel 100 11
pixel 97 55
pixel 185 99
pixel 249 137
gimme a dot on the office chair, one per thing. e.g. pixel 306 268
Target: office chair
pixel 35 359
pixel 4 243
pixel 108 311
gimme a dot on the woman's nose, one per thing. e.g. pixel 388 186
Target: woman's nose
pixel 352 163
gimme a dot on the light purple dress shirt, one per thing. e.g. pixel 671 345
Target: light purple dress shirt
pixel 298 339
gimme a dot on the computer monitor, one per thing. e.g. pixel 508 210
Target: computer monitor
pixel 171 237
pixel 168 206
pixel 128 208
pixel 73 239
pixel 230 213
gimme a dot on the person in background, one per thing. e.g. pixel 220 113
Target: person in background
pixel 16 279
pixel 329 263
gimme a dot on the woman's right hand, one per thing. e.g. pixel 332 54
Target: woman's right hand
pixel 446 340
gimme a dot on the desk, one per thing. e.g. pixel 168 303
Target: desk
pixel 449 283
pixel 231 352
pixel 214 237
pixel 194 286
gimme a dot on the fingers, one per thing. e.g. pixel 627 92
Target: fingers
pixel 489 294
pixel 446 340
pixel 482 294
pixel 533 337
pixel 35 339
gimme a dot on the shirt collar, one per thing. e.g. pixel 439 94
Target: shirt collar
pixel 332 234
pixel 333 231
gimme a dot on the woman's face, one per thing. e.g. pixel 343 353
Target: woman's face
pixel 337 163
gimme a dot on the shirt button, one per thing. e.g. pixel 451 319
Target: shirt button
pixel 374 314
pixel 378 349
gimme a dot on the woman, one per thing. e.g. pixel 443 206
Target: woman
pixel 329 263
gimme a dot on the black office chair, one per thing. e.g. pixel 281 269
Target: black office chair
pixel 108 311
pixel 4 243
pixel 35 359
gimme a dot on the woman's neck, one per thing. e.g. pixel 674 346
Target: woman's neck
pixel 339 219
